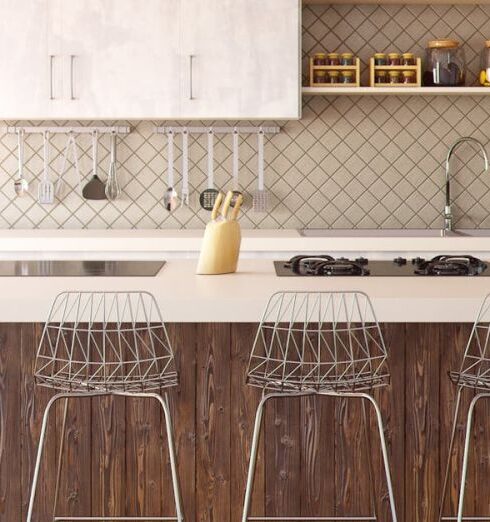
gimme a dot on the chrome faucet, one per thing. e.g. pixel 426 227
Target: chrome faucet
pixel 448 215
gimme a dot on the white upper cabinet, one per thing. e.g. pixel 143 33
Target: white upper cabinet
pixel 149 59
pixel 25 65
pixel 242 59
pixel 121 58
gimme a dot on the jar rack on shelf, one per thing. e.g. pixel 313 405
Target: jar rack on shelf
pixel 417 69
pixel 356 69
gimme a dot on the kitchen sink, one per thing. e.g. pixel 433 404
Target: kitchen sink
pixel 73 268
pixel 399 233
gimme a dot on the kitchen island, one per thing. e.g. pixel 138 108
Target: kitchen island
pixel 314 461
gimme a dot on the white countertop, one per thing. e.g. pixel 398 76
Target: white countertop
pixel 241 297
pixel 151 244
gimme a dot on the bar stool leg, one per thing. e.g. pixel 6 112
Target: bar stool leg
pixel 451 446
pixel 384 453
pixel 171 450
pixel 253 456
pixel 469 423
pixel 42 439
pixel 60 456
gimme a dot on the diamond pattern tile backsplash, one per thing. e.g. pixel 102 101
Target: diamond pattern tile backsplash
pixel 351 162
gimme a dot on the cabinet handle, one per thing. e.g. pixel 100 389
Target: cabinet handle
pixel 51 73
pixel 72 76
pixel 191 77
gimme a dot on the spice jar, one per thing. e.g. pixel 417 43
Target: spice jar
pixel 445 64
pixel 394 59
pixel 347 77
pixel 485 65
pixel 333 59
pixel 408 76
pixel 347 59
pixel 320 77
pixel 380 77
pixel 334 76
pixel 380 59
pixel 394 76
pixel 408 59
pixel 320 59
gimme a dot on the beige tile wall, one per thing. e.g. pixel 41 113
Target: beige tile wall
pixel 352 162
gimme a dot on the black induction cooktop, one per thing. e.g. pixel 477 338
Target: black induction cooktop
pixel 73 268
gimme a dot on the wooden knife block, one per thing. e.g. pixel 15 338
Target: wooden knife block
pixel 220 248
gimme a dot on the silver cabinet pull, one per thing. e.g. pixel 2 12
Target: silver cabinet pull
pixel 51 74
pixel 72 76
pixel 191 74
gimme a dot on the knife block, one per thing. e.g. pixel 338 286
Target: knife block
pixel 220 248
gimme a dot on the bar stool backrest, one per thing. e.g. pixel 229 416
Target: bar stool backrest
pixel 105 341
pixel 319 341
pixel 475 366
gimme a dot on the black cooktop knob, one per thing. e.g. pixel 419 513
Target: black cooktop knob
pixel 418 261
pixel 400 261
pixel 361 261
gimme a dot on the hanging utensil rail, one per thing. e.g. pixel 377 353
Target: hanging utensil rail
pixel 218 130
pixel 67 130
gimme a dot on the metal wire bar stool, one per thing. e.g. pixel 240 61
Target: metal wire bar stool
pixel 324 343
pixel 99 344
pixel 474 373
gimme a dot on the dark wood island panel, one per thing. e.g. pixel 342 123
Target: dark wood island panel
pixel 312 457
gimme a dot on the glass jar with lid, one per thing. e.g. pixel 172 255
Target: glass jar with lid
pixel 320 76
pixel 445 64
pixel 485 65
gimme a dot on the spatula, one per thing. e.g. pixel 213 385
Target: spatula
pixel 94 189
pixel 46 186
pixel 209 195
pixel 170 198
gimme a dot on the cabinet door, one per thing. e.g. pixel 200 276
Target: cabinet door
pixel 25 65
pixel 121 58
pixel 242 59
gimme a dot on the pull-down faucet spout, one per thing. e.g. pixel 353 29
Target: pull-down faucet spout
pixel 448 215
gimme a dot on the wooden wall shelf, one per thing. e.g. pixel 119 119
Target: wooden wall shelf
pixel 397 91
pixel 396 2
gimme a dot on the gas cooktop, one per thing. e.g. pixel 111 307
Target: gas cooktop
pixel 328 266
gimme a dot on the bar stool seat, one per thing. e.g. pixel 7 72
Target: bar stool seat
pixel 324 343
pixel 105 343
pixel 473 374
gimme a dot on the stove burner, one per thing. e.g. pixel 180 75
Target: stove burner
pixel 324 265
pixel 445 265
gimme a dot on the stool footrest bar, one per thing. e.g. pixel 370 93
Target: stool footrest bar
pixel 466 518
pixel 115 519
pixel 332 519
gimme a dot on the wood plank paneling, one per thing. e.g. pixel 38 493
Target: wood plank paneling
pixel 282 457
pixel 183 405
pixel 391 400
pixel 422 479
pixel 120 440
pixel 244 401
pixel 108 456
pixel 33 404
pixel 10 423
pixel 452 349
pixel 75 495
pixel 213 423
pixel 317 450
